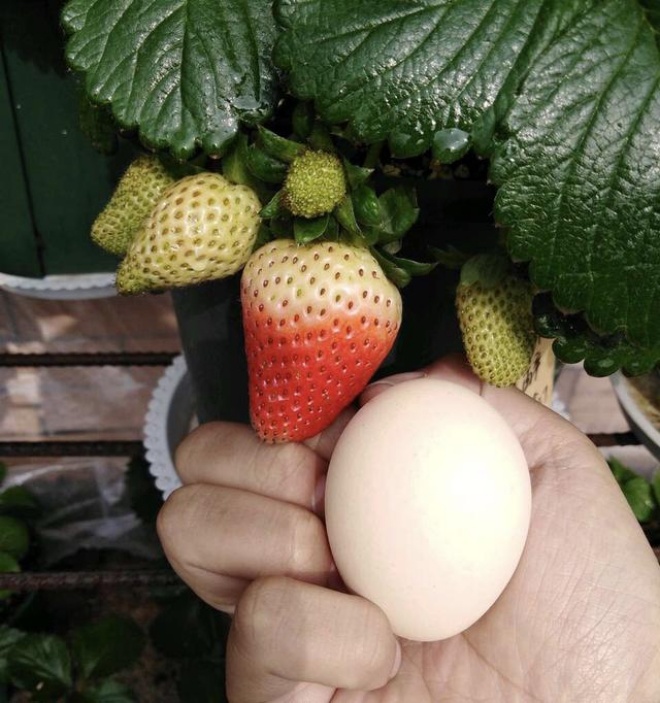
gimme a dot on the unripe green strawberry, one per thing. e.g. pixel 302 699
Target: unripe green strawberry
pixel 202 228
pixel 133 199
pixel 315 183
pixel 497 328
pixel 318 320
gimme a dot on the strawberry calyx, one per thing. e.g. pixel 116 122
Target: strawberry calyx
pixel 314 192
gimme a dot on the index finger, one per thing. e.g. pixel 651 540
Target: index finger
pixel 231 455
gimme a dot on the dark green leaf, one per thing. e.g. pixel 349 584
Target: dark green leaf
pixel 109 691
pixel 346 216
pixel 273 207
pixel 450 145
pixel 397 274
pixel 563 96
pixel 185 73
pixel 366 206
pixel 3 471
pixel 356 175
pixel 14 536
pixel 575 341
pixel 302 120
pixel 279 147
pixel 305 231
pixel 40 663
pixel 578 177
pixel 638 494
pixel 401 71
pixel 8 564
pixel 263 166
pixel 107 646
pixel 399 212
pixel 18 502
pixel 8 638
pixel 652 10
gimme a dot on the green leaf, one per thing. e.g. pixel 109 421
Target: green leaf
pixel 306 231
pixel 401 71
pixel 450 144
pixel 397 274
pixel 18 502
pixel 620 472
pixel 14 536
pixel 575 341
pixel 8 638
pixel 41 663
pixel 399 212
pixel 279 147
pixel 579 176
pixel 346 215
pixel 109 691
pixel 638 494
pixel 562 95
pixel 106 646
pixel 185 73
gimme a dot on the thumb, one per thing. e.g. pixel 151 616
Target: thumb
pixel 453 368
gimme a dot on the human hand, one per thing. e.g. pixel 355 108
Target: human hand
pixel 579 621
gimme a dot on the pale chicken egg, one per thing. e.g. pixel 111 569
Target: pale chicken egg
pixel 428 504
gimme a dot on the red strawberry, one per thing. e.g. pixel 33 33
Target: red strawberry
pixel 318 319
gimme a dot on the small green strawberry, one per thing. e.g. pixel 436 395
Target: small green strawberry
pixel 495 317
pixel 202 228
pixel 315 184
pixel 318 320
pixel 133 199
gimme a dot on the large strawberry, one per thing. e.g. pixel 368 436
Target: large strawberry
pixel 202 228
pixel 318 320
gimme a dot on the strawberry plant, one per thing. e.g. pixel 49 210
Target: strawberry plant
pixel 338 116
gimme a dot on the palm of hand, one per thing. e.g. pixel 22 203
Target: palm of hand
pixel 578 622
pixel 580 619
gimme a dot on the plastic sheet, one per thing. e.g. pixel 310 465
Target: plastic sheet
pixel 85 505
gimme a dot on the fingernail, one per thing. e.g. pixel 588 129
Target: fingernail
pixel 398 378
pixel 397 660
pixel 384 383
pixel 318 499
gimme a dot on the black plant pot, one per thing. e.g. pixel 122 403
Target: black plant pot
pixel 209 316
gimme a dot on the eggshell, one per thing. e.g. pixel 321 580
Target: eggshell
pixel 428 502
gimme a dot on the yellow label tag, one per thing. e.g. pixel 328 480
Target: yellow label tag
pixel 538 382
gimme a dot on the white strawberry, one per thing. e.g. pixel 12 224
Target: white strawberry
pixel 202 228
